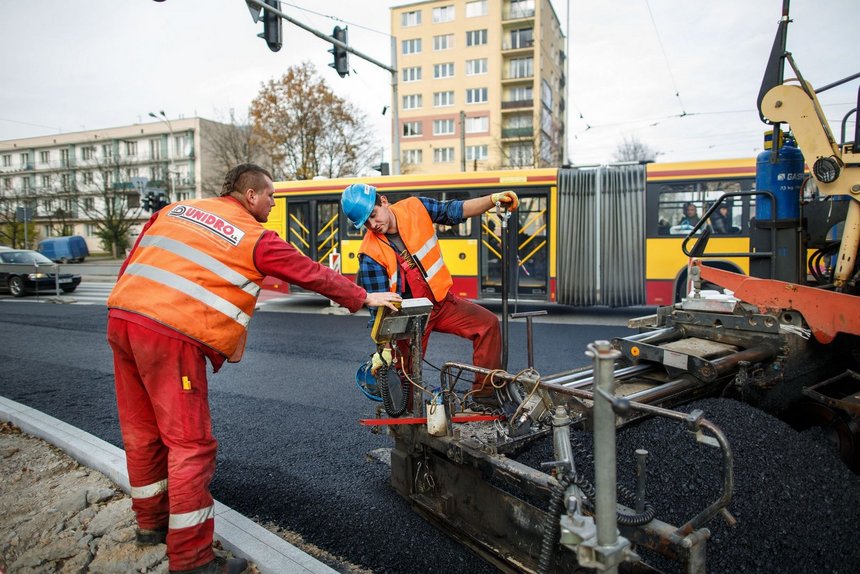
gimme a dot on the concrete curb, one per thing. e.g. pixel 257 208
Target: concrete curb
pixel 238 534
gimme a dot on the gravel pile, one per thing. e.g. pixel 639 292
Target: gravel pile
pixel 797 506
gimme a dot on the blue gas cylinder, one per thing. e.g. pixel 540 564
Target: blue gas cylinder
pixel 783 179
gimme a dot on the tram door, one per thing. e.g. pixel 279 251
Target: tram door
pixel 528 267
pixel 312 228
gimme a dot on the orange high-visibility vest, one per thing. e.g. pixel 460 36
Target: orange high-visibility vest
pixel 418 234
pixel 193 271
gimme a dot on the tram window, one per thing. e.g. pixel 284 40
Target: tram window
pixel 681 205
pixel 462 230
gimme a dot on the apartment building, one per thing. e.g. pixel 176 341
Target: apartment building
pixel 481 85
pixel 62 183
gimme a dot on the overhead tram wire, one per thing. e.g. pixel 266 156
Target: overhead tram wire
pixel 668 67
pixel 335 18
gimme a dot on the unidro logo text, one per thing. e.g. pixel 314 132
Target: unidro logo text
pixel 220 227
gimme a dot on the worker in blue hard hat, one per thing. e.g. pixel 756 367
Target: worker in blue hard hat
pixel 400 253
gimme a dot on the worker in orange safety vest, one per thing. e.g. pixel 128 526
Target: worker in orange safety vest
pixel 400 253
pixel 187 291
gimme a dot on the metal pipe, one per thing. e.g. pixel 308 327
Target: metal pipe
pixel 663 391
pixel 656 336
pixel 729 363
pixel 604 447
pixel 586 378
pixel 641 459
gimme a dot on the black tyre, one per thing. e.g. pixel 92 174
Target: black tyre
pixel 63 260
pixel 16 286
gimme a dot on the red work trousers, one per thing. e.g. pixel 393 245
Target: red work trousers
pixel 162 396
pixel 457 316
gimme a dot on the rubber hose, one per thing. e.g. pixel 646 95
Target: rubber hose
pixel 551 526
pixel 388 403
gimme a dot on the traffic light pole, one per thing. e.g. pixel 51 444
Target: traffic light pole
pixel 335 42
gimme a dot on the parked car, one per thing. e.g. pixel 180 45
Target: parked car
pixel 24 271
pixel 69 249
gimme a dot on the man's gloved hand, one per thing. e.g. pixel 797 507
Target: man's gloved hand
pixel 507 197
pixel 378 360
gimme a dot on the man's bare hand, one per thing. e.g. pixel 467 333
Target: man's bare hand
pixel 386 299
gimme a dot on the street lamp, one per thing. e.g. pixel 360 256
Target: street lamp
pixel 170 187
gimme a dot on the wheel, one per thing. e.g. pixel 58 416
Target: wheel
pixel 63 260
pixel 69 289
pixel 16 286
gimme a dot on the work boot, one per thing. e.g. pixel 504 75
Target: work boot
pixel 218 566
pixel 144 537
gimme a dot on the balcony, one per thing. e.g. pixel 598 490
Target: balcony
pixel 517 13
pixel 517 104
pixel 523 132
pixel 518 76
pixel 509 45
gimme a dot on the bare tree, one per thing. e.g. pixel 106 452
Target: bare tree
pixel 12 231
pixel 111 202
pixel 229 144
pixel 307 130
pixel 632 149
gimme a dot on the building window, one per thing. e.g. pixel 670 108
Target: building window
pixel 46 182
pixel 476 95
pixel 48 230
pixel 130 148
pixel 521 94
pixel 413 156
pixel 520 154
pixel 476 67
pixel 443 70
pixel 155 149
pixel 7 183
pixel 107 179
pixel 7 160
pixel 517 121
pixel 64 157
pixel 522 38
pixel 66 182
pixel 25 184
pixel 412 74
pixel 48 204
pixel 443 155
pixel 180 146
pixel 107 151
pixel 522 8
pixel 443 42
pixel 477 125
pixel 476 37
pixel 412 129
pixel 475 9
pixel 87 177
pixel 443 127
pixel 89 205
pixel 476 152
pixel 442 99
pixel 408 19
pixel 88 152
pixel 411 46
pixel 546 94
pixel 44 157
pixel 412 101
pixel 443 14
pixel 521 68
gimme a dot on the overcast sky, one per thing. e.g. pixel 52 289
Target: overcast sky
pixel 71 65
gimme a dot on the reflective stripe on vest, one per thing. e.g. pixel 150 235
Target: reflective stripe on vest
pixel 190 519
pixel 191 289
pixel 149 490
pixel 203 260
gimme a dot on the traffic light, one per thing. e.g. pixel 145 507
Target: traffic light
pixel 146 201
pixel 160 201
pixel 272 26
pixel 341 56
pixel 381 167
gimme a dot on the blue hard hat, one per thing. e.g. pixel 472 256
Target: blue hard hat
pixel 357 202
pixel 366 382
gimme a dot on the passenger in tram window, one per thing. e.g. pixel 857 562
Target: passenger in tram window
pixel 691 215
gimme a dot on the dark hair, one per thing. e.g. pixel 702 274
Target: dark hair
pixel 242 177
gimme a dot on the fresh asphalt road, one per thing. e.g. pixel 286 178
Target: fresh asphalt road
pixel 291 451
